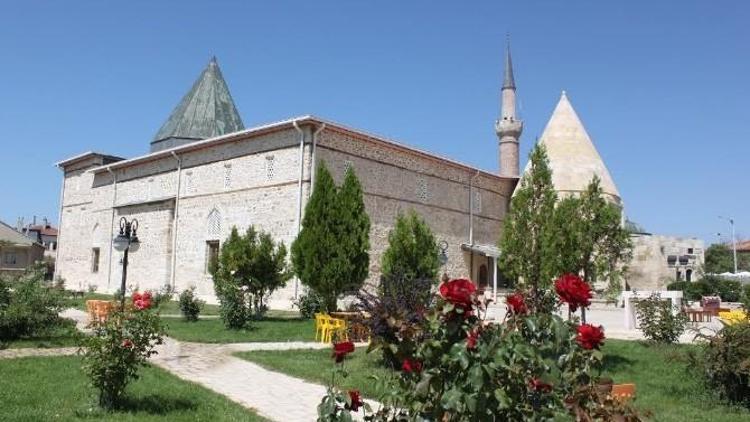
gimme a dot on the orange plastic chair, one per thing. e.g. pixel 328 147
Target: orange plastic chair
pixel 103 309
pixel 91 306
pixel 623 392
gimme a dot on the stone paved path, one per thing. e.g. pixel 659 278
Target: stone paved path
pixel 33 352
pixel 273 395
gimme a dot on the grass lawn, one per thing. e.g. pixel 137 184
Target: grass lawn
pixel 55 388
pixel 270 329
pixel 663 384
pixel 62 338
pixel 169 308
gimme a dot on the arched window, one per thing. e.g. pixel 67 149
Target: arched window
pixel 688 275
pixel 213 224
pixel 483 276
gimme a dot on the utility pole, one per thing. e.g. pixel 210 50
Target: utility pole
pixel 734 241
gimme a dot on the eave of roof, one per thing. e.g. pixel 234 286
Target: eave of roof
pixel 83 156
pixel 287 124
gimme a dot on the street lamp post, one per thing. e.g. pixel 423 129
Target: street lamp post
pixel 734 241
pixel 126 241
pixel 443 256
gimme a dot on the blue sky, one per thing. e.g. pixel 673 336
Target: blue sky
pixel 662 87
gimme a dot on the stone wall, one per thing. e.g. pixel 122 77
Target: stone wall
pixel 395 181
pixel 650 270
pixel 255 181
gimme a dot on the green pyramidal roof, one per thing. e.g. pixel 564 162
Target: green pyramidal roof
pixel 204 112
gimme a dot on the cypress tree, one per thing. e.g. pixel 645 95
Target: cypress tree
pixel 412 251
pixel 355 231
pixel 528 238
pixel 330 254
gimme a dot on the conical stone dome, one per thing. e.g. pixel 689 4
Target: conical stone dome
pixel 206 111
pixel 573 158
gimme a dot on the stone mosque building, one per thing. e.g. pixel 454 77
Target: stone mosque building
pixel 206 173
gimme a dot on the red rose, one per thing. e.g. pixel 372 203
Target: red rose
pixel 573 291
pixel 516 304
pixel 459 292
pixel 356 400
pixel 142 301
pixel 340 350
pixel 538 385
pixel 590 336
pixel 411 365
pixel 127 344
pixel 471 340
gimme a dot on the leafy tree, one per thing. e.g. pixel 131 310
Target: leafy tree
pixel 718 259
pixel 527 242
pixel 329 254
pixel 591 239
pixel 412 251
pixel 355 227
pixel 249 269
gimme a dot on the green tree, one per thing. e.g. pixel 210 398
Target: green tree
pixel 527 241
pixel 329 254
pixel 250 267
pixel 590 237
pixel 412 251
pixel 355 231
pixel 718 259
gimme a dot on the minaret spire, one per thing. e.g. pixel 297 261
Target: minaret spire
pixel 508 127
pixel 508 81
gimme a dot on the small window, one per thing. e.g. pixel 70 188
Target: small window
pixel 227 176
pixel 270 167
pixel 95 260
pixel 690 251
pixel 212 255
pixel 422 192
pixel 477 200
pixel 689 275
pixel 54 246
pixel 10 258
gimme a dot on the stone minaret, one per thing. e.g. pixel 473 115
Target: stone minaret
pixel 508 127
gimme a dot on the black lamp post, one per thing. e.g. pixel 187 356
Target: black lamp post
pixel 126 241
pixel 443 256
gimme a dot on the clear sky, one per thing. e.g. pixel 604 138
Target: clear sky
pixel 662 87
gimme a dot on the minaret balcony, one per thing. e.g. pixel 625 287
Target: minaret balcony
pixel 509 127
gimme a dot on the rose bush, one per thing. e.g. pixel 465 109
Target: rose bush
pixel 119 346
pixel 338 405
pixel 531 366
pixel 574 291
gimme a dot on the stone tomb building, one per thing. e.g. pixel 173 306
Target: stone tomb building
pixel 206 174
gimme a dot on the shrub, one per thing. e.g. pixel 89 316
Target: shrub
pixel 308 303
pixel 694 290
pixel 163 295
pixel 728 290
pixel 118 347
pixel 190 305
pixel 726 362
pixel 533 366
pixel 658 321
pixel 398 316
pixel 250 267
pixel 31 308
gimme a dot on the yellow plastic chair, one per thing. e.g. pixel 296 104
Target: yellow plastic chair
pixel 336 326
pixel 319 326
